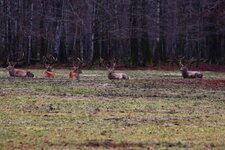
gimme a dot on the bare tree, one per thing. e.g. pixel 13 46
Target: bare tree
pixel 135 32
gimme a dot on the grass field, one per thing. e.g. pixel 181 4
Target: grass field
pixel 153 110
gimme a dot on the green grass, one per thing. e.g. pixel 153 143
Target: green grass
pixel 155 110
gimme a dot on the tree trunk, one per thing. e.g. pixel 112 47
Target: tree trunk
pixel 30 33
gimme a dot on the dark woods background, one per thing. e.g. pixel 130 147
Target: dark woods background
pixel 135 32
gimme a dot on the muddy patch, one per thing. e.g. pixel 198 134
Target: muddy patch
pixel 178 83
pixel 110 144
pixel 143 119
pixel 21 91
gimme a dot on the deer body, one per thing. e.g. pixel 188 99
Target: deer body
pixel 48 73
pixel 190 74
pixel 118 76
pixel 75 74
pixel 18 72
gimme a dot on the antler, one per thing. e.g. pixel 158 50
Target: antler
pixel 44 59
pixel 101 61
pixel 11 63
pixel 187 62
pixel 108 64
pixel 114 64
pixel 192 61
pixel 49 59
pixel 77 62
pixel 8 62
pixel 80 61
pixel 113 61
pixel 180 61
pixel 104 63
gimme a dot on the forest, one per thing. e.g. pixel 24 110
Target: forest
pixel 135 32
pixel 112 74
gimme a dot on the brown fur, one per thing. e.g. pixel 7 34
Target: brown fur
pixel 18 72
pixel 75 74
pixel 117 76
pixel 190 74
pixel 48 72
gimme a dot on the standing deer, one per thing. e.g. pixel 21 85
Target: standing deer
pixel 114 76
pixel 75 74
pixel 18 72
pixel 49 60
pixel 189 74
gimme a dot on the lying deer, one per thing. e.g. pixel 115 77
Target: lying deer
pixel 18 72
pixel 75 74
pixel 49 60
pixel 118 76
pixel 189 74
pixel 48 72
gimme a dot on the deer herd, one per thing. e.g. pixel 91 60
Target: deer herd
pixel 49 60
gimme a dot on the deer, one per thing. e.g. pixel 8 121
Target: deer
pixel 189 74
pixel 49 60
pixel 77 69
pixel 115 76
pixel 17 72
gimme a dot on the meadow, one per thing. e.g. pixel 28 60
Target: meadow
pixel 152 110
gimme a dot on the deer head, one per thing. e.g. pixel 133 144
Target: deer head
pixel 48 61
pixel 183 67
pixel 111 68
pixel 48 67
pixel 77 65
pixel 11 65
pixel 110 65
pixel 184 63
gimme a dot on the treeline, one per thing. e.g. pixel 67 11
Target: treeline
pixel 135 32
